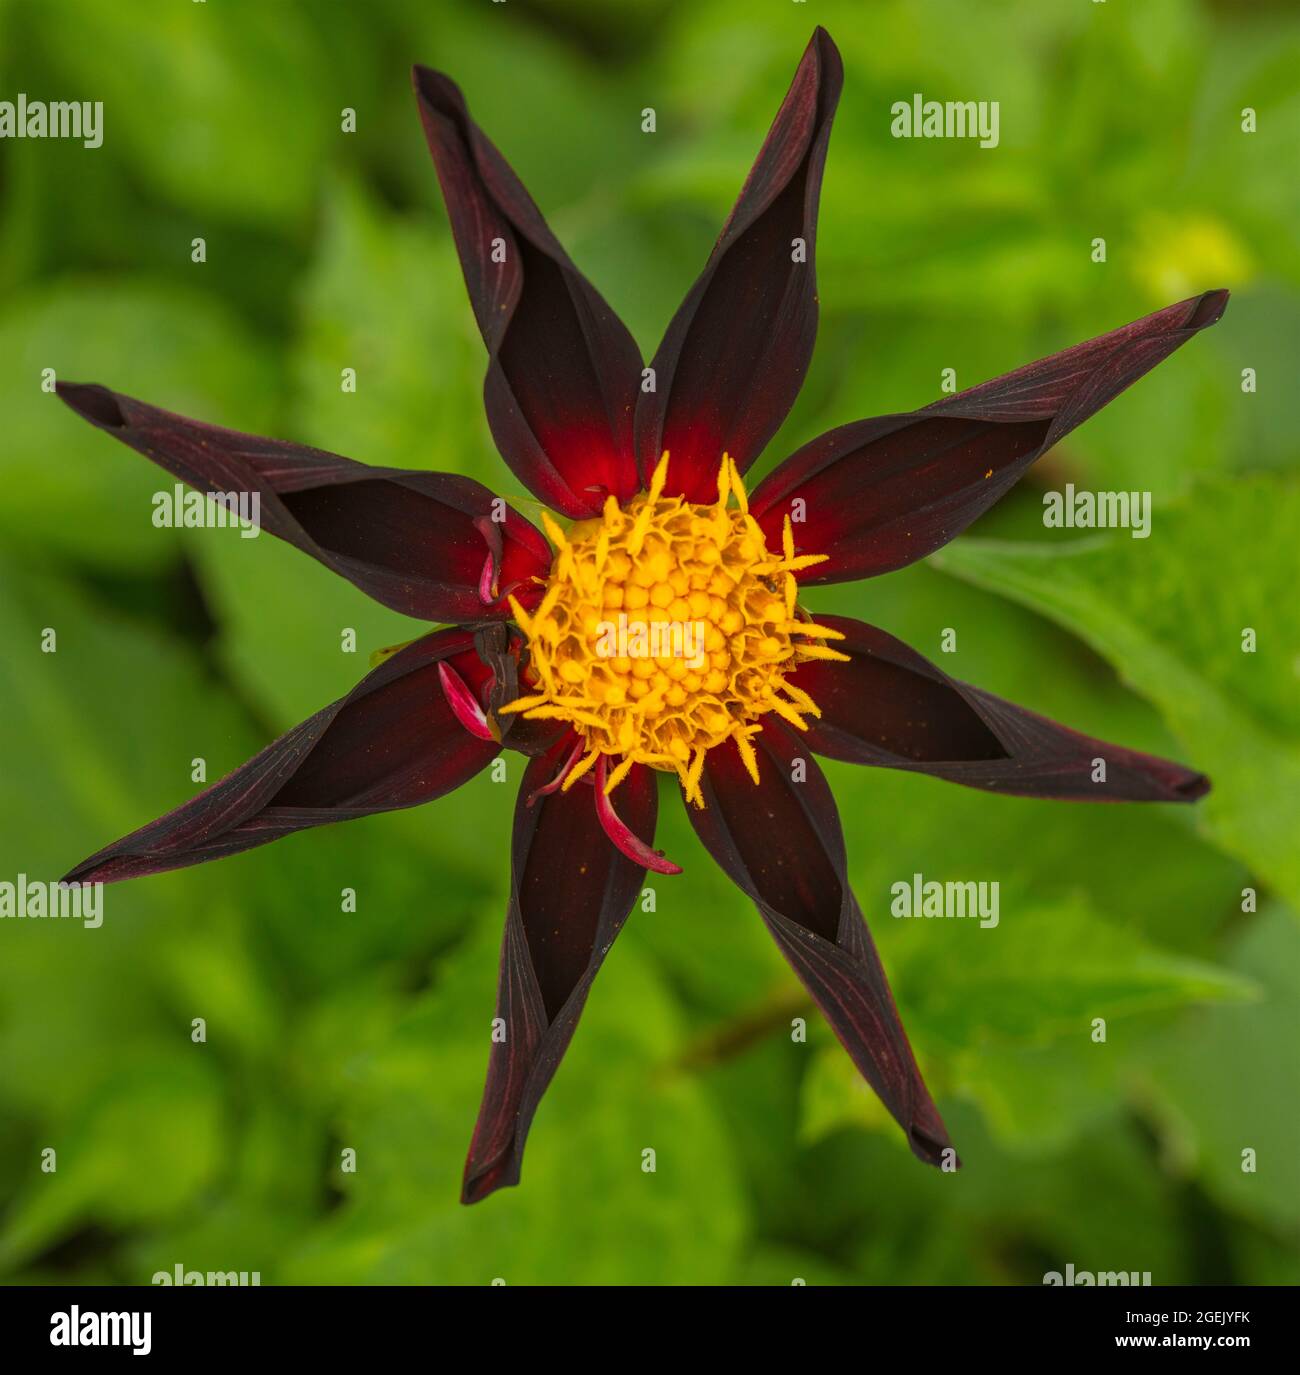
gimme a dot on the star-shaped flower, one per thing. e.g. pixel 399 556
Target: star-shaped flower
pixel 661 631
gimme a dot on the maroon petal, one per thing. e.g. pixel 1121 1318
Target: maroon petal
pixel 890 707
pixel 734 357
pixel 417 542
pixel 392 742
pixel 879 494
pixel 563 371
pixel 781 842
pixel 570 893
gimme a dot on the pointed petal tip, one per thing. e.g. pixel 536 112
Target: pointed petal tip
pixel 563 370
pixel 92 402
pixel 425 80
pixel 1192 787
pixel 891 490
pixel 930 1148
pixel 110 866
pixel 1209 308
pixel 827 48
pixel 736 353
pixel 437 91
pixel 1164 780
pixel 481 1184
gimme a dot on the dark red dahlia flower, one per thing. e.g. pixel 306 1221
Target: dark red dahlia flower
pixel 660 630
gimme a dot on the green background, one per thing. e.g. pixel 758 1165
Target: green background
pixel 369 1030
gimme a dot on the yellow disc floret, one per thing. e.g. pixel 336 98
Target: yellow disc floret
pixel 668 628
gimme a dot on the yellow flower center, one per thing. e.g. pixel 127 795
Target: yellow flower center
pixel 668 628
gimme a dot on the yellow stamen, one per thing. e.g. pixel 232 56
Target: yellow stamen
pixel 666 629
pixel 803 561
pixel 737 486
pixel 524 703
pixel 820 632
pixel 582 766
pixel 785 709
pixel 620 772
pixel 565 713
pixel 747 755
pixel 553 531
pixel 693 792
pixel 659 477
pixel 522 619
pixel 548 601
pixel 801 698
pixel 823 652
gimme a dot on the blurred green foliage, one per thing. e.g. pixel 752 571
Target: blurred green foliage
pixel 369 1030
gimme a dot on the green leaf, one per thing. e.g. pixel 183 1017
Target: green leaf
pixel 1228 1083
pixel 772 1266
pixel 385 297
pixel 834 1095
pixel 293 634
pixel 1045 973
pixel 142 1149
pixel 1158 876
pixel 97 755
pixel 72 491
pixel 587 1212
pixel 1170 614
pixel 185 92
pixel 1005 1015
